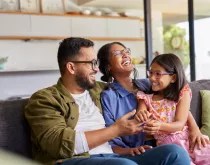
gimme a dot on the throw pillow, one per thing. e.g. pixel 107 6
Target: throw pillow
pixel 205 129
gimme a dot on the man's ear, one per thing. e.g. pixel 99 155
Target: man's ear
pixel 174 77
pixel 70 67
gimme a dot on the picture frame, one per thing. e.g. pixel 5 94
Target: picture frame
pixel 32 6
pixel 10 5
pixel 52 6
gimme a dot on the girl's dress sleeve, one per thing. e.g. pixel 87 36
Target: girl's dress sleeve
pixel 142 96
pixel 184 89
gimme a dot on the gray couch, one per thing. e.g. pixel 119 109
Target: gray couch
pixel 15 132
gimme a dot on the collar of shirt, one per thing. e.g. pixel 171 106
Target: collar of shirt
pixel 121 90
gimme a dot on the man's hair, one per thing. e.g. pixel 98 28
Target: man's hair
pixel 69 49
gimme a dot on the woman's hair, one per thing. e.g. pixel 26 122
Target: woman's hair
pixel 104 56
pixel 171 63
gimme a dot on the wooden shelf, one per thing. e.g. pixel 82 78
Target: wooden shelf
pixel 72 15
pixel 63 37
pixel 28 70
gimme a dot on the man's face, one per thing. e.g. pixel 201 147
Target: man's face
pixel 85 74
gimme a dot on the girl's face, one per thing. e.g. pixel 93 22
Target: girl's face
pixel 160 79
pixel 120 60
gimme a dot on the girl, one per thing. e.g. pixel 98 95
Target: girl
pixel 165 112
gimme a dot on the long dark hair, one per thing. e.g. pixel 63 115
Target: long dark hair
pixel 171 63
pixel 104 57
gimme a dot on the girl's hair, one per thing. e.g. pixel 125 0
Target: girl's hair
pixel 171 63
pixel 103 56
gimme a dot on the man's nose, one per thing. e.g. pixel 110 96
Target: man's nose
pixel 96 68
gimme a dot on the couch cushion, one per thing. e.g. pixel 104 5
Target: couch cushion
pixel 196 107
pixel 14 129
pixel 205 118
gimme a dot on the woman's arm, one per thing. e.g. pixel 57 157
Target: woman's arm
pixel 195 136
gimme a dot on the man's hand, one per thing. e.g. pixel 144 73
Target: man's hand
pixel 152 127
pixel 125 126
pixel 197 138
pixel 142 115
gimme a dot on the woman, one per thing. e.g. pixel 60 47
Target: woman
pixel 120 97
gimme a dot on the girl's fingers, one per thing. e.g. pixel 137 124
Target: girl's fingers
pixel 145 116
pixel 142 118
pixel 137 118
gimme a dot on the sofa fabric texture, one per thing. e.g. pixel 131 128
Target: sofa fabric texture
pixel 196 103
pixel 15 132
pixel 14 129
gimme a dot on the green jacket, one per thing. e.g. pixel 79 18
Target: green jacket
pixel 52 115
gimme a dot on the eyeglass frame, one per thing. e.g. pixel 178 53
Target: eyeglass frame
pixel 121 52
pixel 150 73
pixel 94 65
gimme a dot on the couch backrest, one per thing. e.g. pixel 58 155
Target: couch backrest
pixel 14 129
pixel 196 106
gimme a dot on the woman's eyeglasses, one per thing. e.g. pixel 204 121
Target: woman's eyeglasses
pixel 121 52
pixel 94 63
pixel 158 74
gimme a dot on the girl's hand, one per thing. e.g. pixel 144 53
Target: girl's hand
pixel 142 115
pixel 197 138
pixel 138 150
pixel 152 127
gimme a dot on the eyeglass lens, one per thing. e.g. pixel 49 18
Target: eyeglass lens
pixel 157 74
pixel 95 64
pixel 120 52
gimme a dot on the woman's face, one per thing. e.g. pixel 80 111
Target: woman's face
pixel 120 60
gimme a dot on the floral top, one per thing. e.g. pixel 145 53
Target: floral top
pixel 162 110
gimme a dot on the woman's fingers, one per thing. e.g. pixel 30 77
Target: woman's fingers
pixel 198 140
pixel 192 143
pixel 204 141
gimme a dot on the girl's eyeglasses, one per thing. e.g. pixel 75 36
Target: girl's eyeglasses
pixel 121 52
pixel 94 63
pixel 158 74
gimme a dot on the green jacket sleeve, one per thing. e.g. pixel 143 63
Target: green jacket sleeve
pixel 46 116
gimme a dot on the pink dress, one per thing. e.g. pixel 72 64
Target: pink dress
pixel 164 111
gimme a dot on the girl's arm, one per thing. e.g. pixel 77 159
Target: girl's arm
pixel 181 116
pixel 142 114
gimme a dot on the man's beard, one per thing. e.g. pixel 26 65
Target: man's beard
pixel 83 81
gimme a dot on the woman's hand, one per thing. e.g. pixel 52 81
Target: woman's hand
pixel 152 127
pixel 139 150
pixel 131 151
pixel 197 138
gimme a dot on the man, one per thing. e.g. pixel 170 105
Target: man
pixel 67 123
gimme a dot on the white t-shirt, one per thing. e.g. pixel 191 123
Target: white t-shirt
pixel 90 118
